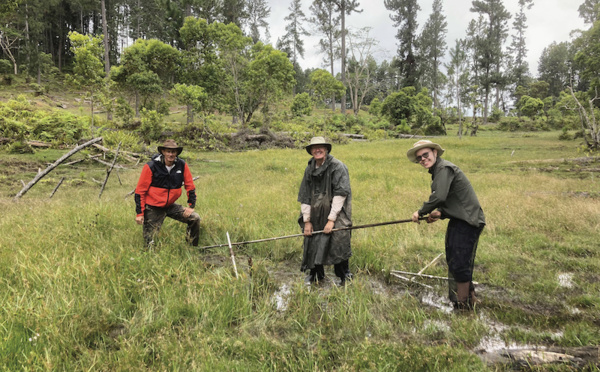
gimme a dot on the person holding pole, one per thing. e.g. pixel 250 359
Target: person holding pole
pixel 326 203
pixel 157 190
pixel 452 197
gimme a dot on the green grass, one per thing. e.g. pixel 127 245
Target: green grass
pixel 73 270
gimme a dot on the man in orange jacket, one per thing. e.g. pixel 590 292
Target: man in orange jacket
pixel 157 190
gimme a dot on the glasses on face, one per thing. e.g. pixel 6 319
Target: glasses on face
pixel 425 155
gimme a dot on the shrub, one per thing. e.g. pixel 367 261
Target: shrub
pixel 20 147
pixel 375 107
pixel 496 114
pixel 302 105
pixel 152 125
pixel 565 135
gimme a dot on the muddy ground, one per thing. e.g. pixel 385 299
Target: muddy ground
pixel 492 349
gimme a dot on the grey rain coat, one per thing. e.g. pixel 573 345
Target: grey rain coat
pixel 318 187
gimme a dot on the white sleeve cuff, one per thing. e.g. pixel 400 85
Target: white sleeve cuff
pixel 305 209
pixel 336 207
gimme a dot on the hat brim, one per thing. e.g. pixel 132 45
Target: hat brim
pixel 434 146
pixel 179 149
pixel 328 145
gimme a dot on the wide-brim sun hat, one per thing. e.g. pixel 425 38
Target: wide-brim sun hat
pixel 170 144
pixel 421 145
pixel 318 141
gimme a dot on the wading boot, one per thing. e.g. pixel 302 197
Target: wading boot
pixel 462 294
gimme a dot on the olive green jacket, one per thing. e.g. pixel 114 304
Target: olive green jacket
pixel 452 194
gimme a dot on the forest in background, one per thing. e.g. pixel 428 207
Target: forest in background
pixel 207 55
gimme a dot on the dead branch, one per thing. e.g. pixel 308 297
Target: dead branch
pixel 40 175
pixel 110 170
pixel 106 163
pixel 123 153
pixel 56 188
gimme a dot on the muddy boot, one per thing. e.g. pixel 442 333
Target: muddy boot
pixel 473 300
pixel 462 294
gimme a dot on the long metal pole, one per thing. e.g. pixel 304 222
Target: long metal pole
pixel 314 233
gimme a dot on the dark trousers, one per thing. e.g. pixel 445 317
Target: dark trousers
pixel 341 270
pixel 154 217
pixel 461 247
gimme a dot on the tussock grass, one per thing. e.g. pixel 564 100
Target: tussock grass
pixel 77 282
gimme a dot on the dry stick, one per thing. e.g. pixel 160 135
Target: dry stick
pixel 232 256
pixel 123 153
pixel 409 280
pixel 314 233
pixel 110 170
pixel 23 183
pixel 105 162
pixel 119 178
pixel 40 175
pixel 423 275
pixel 426 266
pixel 56 188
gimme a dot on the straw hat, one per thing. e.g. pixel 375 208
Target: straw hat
pixel 170 144
pixel 421 145
pixel 318 141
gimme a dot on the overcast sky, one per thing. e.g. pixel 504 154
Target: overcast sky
pixel 547 20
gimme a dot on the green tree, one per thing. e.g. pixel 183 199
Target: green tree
pixel 292 40
pixel 302 105
pixel 518 47
pixel 325 86
pixel 269 76
pixel 432 45
pixel 326 21
pixel 407 109
pixel 192 96
pixel 554 67
pixel 405 19
pixel 88 72
pixel 258 12
pixel 147 67
pixel 489 46
pixel 530 107
pixel 590 11
pixel 458 73
pixel 344 7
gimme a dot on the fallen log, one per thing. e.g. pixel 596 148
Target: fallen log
pixel 109 170
pixel 39 144
pixel 40 175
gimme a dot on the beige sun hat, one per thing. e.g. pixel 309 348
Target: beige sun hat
pixel 421 145
pixel 170 144
pixel 318 141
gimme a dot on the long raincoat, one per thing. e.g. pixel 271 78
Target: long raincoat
pixel 318 187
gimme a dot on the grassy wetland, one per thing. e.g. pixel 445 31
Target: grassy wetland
pixel 80 293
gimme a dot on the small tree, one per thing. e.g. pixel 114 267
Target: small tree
pixel 193 96
pixel 302 105
pixel 88 73
pixel 325 86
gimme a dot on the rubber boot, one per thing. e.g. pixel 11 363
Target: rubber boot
pixel 462 294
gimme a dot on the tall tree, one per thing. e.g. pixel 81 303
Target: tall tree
pixel 234 11
pixel 489 47
pixel 458 77
pixel 326 22
pixel 405 19
pixel 345 7
pixel 590 11
pixel 361 66
pixel 258 12
pixel 518 47
pixel 292 40
pixel 432 45
pixel 554 67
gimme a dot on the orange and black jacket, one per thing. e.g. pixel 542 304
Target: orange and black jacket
pixel 158 187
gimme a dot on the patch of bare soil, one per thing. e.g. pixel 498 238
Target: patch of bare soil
pixel 492 349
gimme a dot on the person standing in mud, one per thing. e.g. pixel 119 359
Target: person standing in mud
pixel 452 197
pixel 157 190
pixel 326 203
